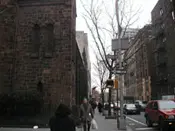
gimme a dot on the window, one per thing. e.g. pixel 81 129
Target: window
pixel 161 12
pixel 167 105
pixel 173 16
pixel 155 105
pixel 163 26
pixel 40 87
pixel 164 39
pixel 49 39
pixel 146 73
pixel 35 39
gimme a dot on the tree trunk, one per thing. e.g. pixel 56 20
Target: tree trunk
pixel 110 96
pixel 102 96
pixel 110 75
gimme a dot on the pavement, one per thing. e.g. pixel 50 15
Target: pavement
pixel 106 124
pixel 134 123
pixel 103 125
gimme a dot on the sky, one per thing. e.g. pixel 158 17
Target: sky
pixel 145 7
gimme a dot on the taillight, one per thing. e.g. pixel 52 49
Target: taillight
pixel 166 116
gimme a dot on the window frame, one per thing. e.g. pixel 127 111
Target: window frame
pixel 161 12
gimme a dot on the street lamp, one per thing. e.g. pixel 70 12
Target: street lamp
pixel 122 124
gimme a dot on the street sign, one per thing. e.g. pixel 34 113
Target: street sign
pixel 119 71
pixel 113 57
pixel 124 46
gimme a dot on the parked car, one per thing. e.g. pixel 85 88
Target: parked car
pixel 161 112
pixel 130 109
pixel 117 107
pixel 106 106
pixel 141 104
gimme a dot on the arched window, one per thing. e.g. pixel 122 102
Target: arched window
pixel 35 39
pixel 49 40
pixel 40 87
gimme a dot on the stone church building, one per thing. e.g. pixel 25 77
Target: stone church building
pixel 38 49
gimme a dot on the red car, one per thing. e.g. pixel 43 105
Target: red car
pixel 161 112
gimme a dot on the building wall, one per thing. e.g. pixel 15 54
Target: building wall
pixel 7 44
pixel 41 39
pixel 137 79
pixel 81 78
pixel 164 48
pixel 82 40
pixel 142 63
pixel 130 77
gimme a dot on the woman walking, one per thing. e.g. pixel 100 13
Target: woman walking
pixel 62 121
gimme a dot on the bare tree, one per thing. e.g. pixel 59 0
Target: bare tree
pixel 101 33
pixel 101 73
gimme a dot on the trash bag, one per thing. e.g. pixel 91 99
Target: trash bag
pixel 94 124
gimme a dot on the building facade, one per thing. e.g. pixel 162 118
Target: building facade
pixel 82 41
pixel 130 33
pixel 137 78
pixel 163 17
pixel 38 49
pixel 130 76
pixel 143 75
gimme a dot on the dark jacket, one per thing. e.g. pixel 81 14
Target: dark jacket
pixel 86 112
pixel 93 104
pixel 62 121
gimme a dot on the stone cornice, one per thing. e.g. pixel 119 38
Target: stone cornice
pixel 43 2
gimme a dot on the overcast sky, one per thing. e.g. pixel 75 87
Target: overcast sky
pixel 144 18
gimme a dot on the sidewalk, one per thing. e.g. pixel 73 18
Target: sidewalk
pixel 105 124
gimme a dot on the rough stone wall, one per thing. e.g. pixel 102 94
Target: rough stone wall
pixel 35 57
pixel 7 44
pixel 54 69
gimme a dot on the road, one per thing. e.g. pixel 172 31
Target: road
pixel 137 123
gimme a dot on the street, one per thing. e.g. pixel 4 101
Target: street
pixel 138 123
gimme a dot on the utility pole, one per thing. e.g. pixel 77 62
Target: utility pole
pixel 118 122
pixel 122 124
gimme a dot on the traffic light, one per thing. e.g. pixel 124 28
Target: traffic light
pixel 115 83
pixel 110 82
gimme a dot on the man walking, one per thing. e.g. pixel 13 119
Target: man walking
pixel 86 115
pixel 93 104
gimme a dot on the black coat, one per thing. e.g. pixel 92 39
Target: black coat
pixel 62 121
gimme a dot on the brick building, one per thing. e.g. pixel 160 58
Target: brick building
pixel 163 17
pixel 38 50
pixel 143 61
pixel 137 79
pixel 130 76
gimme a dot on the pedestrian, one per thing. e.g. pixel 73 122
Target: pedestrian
pixel 62 121
pixel 100 107
pixel 93 104
pixel 86 115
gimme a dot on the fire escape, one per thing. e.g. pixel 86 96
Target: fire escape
pixel 160 53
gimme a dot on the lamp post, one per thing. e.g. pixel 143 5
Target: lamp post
pixel 122 124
